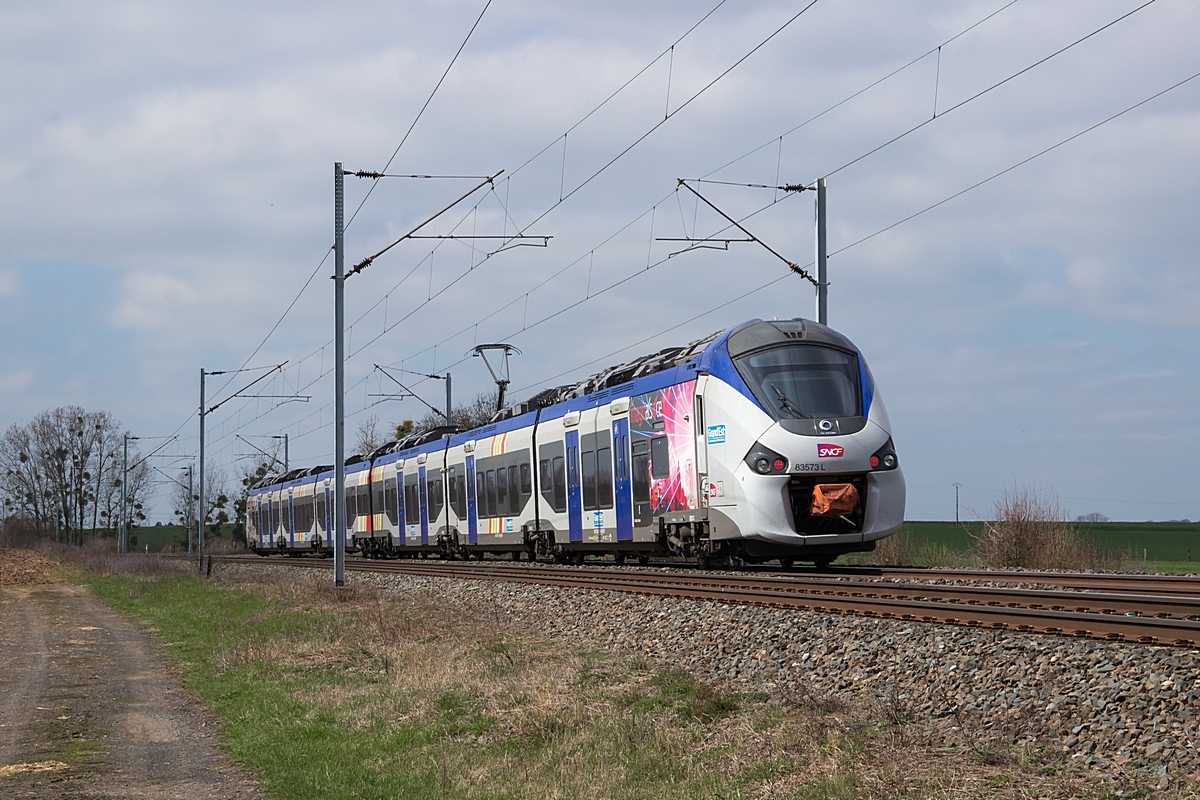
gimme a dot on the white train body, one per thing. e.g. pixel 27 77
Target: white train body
pixel 724 451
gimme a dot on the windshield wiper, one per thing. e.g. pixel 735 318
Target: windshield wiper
pixel 787 405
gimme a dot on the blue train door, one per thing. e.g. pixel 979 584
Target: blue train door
pixel 574 500
pixel 472 514
pixel 622 482
pixel 424 505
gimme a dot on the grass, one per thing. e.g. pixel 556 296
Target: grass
pixel 351 693
pixel 1148 546
pixel 308 694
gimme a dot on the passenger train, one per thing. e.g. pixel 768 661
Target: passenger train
pixel 765 441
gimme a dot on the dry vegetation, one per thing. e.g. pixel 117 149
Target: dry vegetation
pixel 100 558
pixel 1030 531
pixel 21 567
pixel 902 550
pixel 1027 531
pixel 511 714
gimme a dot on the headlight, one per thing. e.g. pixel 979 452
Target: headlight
pixel 766 461
pixel 885 457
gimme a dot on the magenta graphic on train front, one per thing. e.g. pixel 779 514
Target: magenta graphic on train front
pixel 664 452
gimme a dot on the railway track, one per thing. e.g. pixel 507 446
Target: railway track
pixel 1131 610
pixel 1183 585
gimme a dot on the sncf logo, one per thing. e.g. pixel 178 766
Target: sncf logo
pixel 829 450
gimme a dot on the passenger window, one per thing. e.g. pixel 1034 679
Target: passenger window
pixel 545 479
pixel 514 491
pixel 389 500
pixel 604 478
pixel 351 505
pixel 659 460
pixel 437 498
pixel 560 484
pixel 501 492
pixel 491 493
pixel 481 494
pixel 460 483
pixel 526 479
pixel 641 477
pixel 412 501
pixel 588 470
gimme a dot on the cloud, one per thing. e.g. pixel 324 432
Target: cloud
pixel 182 158
pixel 10 282
pixel 17 382
pixel 154 301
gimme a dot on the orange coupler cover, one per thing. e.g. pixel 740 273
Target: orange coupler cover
pixel 834 499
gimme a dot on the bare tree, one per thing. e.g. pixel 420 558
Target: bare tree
pixel 216 498
pixel 369 436
pixel 62 471
pixel 182 497
pixel 474 414
pixel 248 476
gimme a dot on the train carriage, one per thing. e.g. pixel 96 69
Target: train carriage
pixel 765 441
pixel 490 491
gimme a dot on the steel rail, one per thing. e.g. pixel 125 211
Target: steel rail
pixel 1158 584
pixel 949 606
pixel 1162 606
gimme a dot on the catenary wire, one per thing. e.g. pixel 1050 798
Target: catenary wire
pixel 996 85
pixel 647 211
pixel 360 205
pixel 583 119
pixel 876 149
pixel 887 228
pixel 863 90
pixel 641 138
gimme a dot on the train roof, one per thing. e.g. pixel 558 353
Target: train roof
pixel 628 377
pixel 644 374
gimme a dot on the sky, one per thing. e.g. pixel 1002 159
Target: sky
pixel 168 180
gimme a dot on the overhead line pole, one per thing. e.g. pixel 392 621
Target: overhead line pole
pixel 822 257
pixel 339 320
pixel 200 533
pixel 124 480
pixel 286 468
pixel 191 493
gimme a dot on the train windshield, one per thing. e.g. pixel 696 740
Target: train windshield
pixel 803 381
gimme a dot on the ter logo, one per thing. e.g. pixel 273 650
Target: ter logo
pixel 830 450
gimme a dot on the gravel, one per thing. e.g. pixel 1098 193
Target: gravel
pixel 1125 711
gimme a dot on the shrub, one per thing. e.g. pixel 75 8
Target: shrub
pixel 1032 531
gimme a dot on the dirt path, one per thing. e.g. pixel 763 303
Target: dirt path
pixel 87 709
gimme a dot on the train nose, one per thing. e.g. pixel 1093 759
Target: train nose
pixel 780 451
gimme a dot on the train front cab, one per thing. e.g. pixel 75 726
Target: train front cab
pixel 790 407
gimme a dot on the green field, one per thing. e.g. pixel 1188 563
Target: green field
pixel 1166 546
